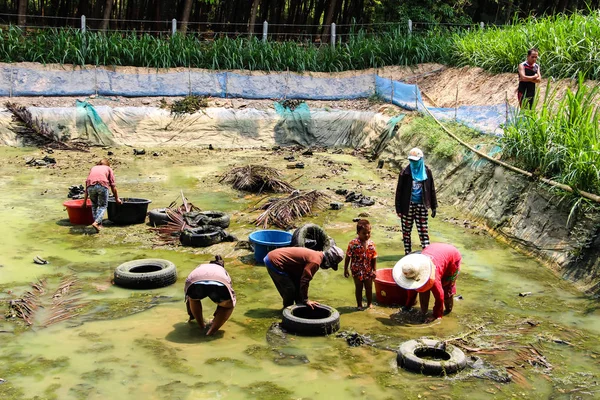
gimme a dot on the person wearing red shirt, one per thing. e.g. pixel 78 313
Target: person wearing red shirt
pixel 433 270
pixel 100 178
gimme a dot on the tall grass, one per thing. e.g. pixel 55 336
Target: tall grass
pixel 360 52
pixel 568 45
pixel 561 141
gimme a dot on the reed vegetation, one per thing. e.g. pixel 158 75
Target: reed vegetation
pixel 561 139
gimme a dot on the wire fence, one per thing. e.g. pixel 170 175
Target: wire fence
pixel 313 33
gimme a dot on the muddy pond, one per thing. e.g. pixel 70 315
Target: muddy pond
pixel 122 343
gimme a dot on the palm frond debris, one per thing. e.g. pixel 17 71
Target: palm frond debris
pixel 256 179
pixel 281 212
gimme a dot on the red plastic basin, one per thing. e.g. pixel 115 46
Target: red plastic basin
pixel 387 291
pixel 77 214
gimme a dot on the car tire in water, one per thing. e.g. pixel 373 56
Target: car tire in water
pixel 217 218
pixel 302 320
pixel 147 273
pixel 431 357
pixel 311 236
pixel 203 236
pixel 158 216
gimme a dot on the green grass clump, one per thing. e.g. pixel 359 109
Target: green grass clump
pixel 267 391
pixel 568 45
pixel 561 141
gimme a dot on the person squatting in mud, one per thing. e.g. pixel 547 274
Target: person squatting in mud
pixel 415 193
pixel 292 269
pixel 433 270
pixel 362 258
pixel 210 280
pixel 100 178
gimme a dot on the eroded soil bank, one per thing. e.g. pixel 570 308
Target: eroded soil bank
pixel 127 344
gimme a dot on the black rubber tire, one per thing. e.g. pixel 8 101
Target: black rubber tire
pixel 408 357
pixel 293 321
pixel 147 273
pixel 158 216
pixel 312 232
pixel 217 218
pixel 202 236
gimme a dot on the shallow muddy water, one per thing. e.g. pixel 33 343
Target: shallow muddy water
pixel 134 344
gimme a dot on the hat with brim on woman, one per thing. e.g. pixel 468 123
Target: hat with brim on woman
pixel 413 271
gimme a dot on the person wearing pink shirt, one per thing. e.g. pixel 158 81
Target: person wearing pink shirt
pixel 433 271
pixel 100 178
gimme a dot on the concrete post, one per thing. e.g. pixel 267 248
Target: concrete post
pixel 265 31
pixel 333 34
pixel 481 25
pixel 409 26
pixel 173 27
pixel 83 24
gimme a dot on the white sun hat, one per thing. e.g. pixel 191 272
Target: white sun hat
pixel 415 154
pixel 413 271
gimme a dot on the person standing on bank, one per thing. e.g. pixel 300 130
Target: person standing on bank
pixel 212 281
pixel 292 269
pixel 529 75
pixel 100 178
pixel 415 194
pixel 434 270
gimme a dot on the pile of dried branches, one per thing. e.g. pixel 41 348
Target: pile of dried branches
pixel 38 132
pixel 256 179
pixel 282 211
pixel 26 307
pixel 169 234
pixel 64 303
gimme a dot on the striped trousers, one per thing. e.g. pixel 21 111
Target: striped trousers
pixel 417 213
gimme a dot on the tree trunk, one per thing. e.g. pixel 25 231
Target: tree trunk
pixel 185 16
pixel 106 15
pixel 329 19
pixel 251 27
pixel 22 12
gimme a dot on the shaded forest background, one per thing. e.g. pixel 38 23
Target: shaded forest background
pixel 243 16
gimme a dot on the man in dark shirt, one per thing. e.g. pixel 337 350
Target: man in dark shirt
pixel 529 75
pixel 292 269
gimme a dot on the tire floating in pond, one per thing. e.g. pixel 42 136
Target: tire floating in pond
pixel 431 357
pixel 147 273
pixel 205 236
pixel 311 236
pixel 158 216
pixel 302 320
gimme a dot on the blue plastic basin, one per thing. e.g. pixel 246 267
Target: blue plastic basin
pixel 267 240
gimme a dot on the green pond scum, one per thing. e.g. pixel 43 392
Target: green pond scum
pixel 138 344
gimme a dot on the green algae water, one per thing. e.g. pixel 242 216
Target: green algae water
pixel 126 344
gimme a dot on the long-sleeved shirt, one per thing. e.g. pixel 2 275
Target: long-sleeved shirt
pixel 446 259
pixel 300 263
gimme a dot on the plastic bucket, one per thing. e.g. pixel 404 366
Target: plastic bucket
pixel 77 214
pixel 267 240
pixel 387 291
pixel 132 211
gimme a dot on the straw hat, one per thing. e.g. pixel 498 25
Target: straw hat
pixel 413 271
pixel 415 154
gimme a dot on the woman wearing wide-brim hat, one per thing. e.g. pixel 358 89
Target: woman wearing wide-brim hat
pixel 434 270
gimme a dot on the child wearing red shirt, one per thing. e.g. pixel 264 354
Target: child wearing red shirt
pixel 362 257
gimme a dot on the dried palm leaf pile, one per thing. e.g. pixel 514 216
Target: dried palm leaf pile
pixel 39 133
pixel 169 234
pixel 281 212
pixel 256 179
pixel 63 305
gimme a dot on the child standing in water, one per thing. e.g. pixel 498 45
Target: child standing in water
pixel 362 257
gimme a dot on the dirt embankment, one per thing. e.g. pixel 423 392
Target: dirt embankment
pixel 524 213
